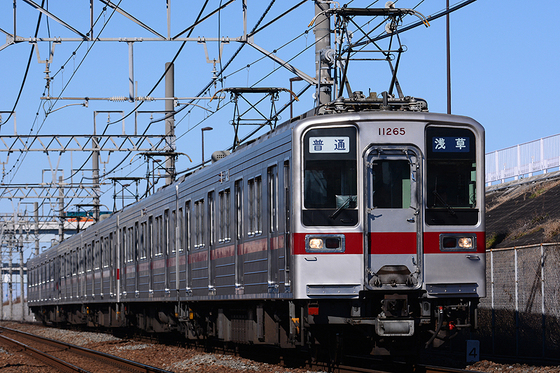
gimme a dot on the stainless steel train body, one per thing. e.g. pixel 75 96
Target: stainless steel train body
pixel 365 224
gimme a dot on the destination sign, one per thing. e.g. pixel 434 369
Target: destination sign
pixel 329 144
pixel 450 144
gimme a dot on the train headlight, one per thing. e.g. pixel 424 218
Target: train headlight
pixel 465 243
pixel 324 243
pixel 457 242
pixel 316 243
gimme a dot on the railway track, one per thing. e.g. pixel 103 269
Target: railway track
pixel 68 357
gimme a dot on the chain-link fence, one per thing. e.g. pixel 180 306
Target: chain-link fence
pixel 521 314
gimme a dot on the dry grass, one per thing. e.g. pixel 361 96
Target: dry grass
pixel 529 191
pixel 551 228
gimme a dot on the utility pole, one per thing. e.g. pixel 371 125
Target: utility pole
pixel 322 32
pixel 60 210
pixel 170 122
pixel 36 216
pixel 95 177
pixel 10 273
pixel 2 276
pixel 20 248
pixel 448 47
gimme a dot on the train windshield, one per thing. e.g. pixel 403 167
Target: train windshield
pixel 451 177
pixel 329 183
pixel 330 177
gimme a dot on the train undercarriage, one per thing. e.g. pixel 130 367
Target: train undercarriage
pixel 390 324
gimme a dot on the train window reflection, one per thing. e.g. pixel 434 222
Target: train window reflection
pixel 325 179
pixel 451 183
pixel 391 184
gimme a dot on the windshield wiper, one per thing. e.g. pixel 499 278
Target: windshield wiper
pixel 449 208
pixel 342 207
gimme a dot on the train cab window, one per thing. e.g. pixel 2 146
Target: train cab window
pixel 391 184
pixel 330 177
pixel 451 177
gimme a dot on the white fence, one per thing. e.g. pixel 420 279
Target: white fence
pixel 523 160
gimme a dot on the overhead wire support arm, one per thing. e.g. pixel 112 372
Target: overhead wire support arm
pixel 238 120
pixel 283 63
pixel 50 15
pixel 132 18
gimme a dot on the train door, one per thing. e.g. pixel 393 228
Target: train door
pixel 393 239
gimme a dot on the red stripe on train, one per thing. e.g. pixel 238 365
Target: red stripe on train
pixel 393 243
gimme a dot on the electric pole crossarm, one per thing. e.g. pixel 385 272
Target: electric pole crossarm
pixel 63 143
pixel 285 64
pixel 46 192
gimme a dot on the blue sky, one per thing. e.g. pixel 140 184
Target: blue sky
pixel 504 74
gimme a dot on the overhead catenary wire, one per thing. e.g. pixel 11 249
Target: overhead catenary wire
pixel 220 80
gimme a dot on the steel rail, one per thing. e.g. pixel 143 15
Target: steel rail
pixel 124 363
pixel 44 357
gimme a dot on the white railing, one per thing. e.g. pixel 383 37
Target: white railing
pixel 523 160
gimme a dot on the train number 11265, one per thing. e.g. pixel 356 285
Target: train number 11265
pixel 390 131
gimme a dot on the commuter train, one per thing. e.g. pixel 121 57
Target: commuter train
pixel 361 222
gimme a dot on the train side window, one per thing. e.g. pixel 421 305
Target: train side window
pixel 74 263
pixel 97 255
pixel 136 242
pixel 254 206
pixel 272 189
pixel 106 251
pixel 169 232
pixel 181 229
pixel 102 252
pixel 89 256
pixel 150 237
pixel 158 233
pixel 188 225
pixel 198 224
pixel 211 218
pixel 224 216
pixel 239 209
pixel 142 240
pixel 130 245
pixel 83 257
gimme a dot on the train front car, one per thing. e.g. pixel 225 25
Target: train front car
pixel 389 227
